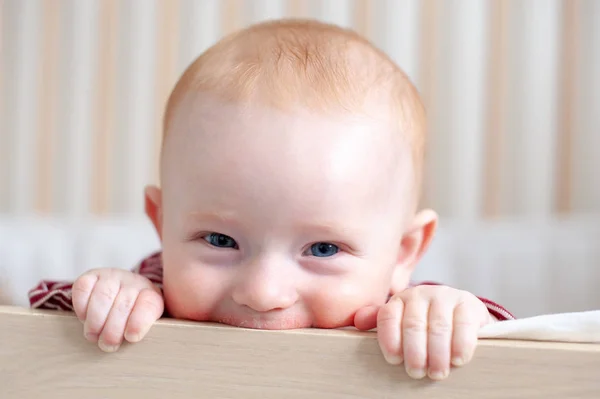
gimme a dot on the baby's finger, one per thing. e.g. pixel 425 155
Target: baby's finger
pixel 389 330
pixel 80 294
pixel 148 308
pixel 111 336
pixel 101 300
pixel 366 318
pixel 414 337
pixel 439 342
pixel 464 336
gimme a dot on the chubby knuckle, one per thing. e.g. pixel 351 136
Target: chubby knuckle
pixel 107 274
pixel 388 312
pixel 425 288
pixel 442 291
pixel 125 304
pixel 108 292
pixel 466 323
pixel 427 291
pixel 409 293
pixel 414 324
pixel 116 274
pixel 101 272
pixel 84 283
pixel 440 327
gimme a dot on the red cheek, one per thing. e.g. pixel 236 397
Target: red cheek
pixel 332 310
pixel 193 293
pixel 178 308
pixel 337 308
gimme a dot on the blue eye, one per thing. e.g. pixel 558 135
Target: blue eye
pixel 220 240
pixel 323 249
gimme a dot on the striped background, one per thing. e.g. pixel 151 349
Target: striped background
pixel 512 88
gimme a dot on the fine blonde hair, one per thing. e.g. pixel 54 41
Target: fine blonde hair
pixel 304 63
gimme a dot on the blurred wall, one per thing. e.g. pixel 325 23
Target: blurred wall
pixel 512 89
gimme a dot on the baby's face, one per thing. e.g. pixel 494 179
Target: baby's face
pixel 279 220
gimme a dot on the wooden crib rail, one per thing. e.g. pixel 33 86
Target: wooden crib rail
pixel 44 355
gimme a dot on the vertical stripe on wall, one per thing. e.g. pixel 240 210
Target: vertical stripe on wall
pixel 167 56
pixel 427 83
pixel 231 15
pixel 395 28
pixel 104 110
pixel 464 106
pixel 136 104
pixel 201 27
pixel 46 132
pixel 82 33
pixel 567 104
pixel 362 18
pixel 586 145
pixel 298 8
pixel 339 12
pixel 4 135
pixel 24 20
pixel 260 10
pixel 496 86
pixel 530 157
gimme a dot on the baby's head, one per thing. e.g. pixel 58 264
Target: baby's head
pixel 290 173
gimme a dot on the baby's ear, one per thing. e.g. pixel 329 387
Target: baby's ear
pixel 415 242
pixel 153 205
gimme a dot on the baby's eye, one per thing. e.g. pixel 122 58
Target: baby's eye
pixel 323 249
pixel 220 240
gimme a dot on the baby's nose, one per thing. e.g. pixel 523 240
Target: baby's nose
pixel 264 288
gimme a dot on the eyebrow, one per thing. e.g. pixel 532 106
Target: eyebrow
pixel 329 227
pixel 349 235
pixel 227 216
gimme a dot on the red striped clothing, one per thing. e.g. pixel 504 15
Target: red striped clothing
pixel 56 295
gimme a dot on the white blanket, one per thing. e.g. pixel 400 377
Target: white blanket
pixel 583 327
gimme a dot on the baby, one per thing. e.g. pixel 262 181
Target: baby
pixel 290 171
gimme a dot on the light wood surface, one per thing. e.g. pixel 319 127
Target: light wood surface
pixel 44 355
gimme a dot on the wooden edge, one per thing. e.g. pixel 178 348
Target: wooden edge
pixel 44 353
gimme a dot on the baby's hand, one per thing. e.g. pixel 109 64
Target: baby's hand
pixel 116 304
pixel 430 328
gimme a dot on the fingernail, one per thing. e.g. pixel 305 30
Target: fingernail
pixel 107 348
pixel 417 374
pixel 438 375
pixel 458 361
pixel 393 359
pixel 131 337
pixel 90 336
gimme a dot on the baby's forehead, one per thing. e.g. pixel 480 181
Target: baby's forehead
pixel 265 141
pixel 319 165
pixel 205 116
